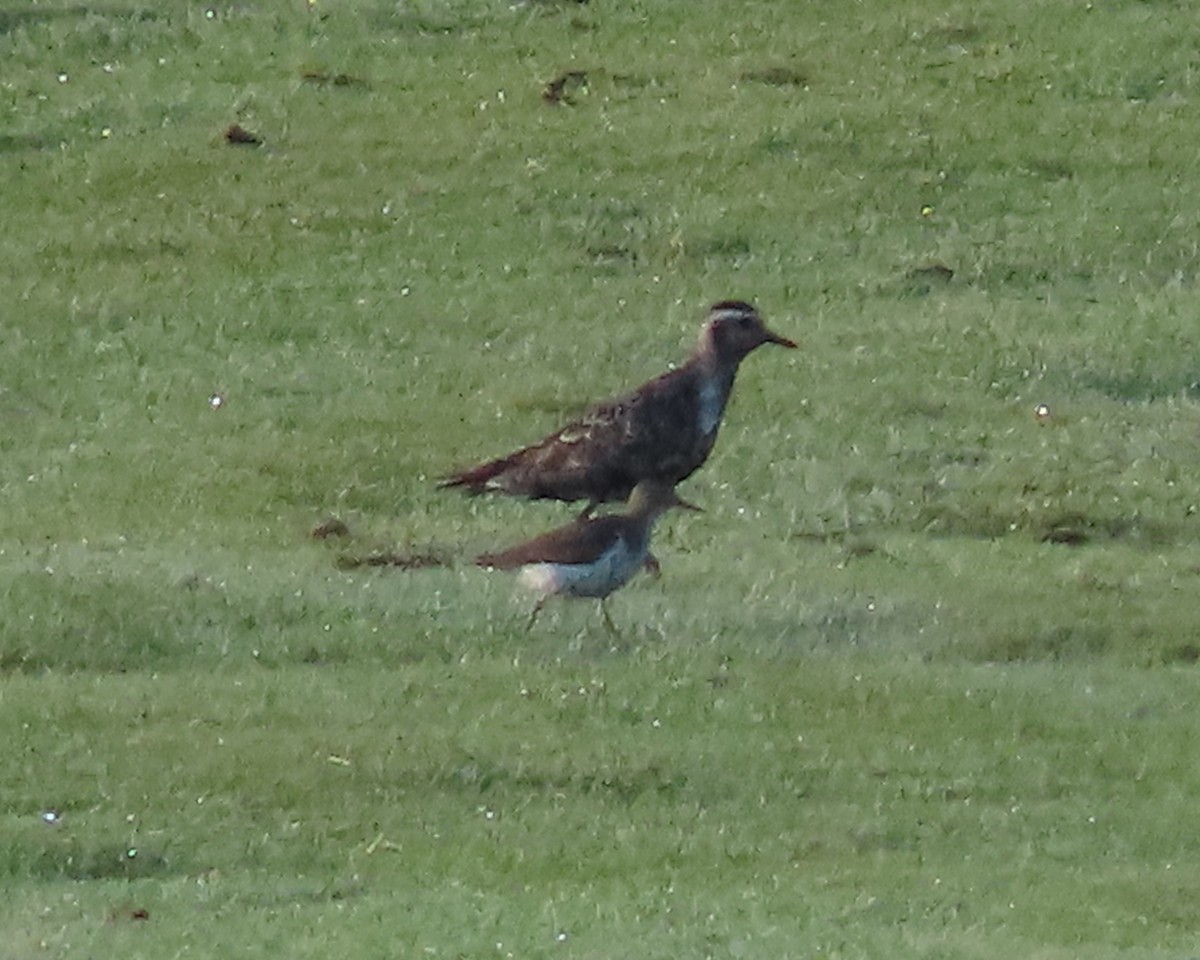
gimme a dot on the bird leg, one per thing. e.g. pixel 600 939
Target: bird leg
pixel 612 627
pixel 537 608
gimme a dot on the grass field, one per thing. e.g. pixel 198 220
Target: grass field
pixel 920 682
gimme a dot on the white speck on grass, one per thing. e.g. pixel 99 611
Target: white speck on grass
pixel 63 77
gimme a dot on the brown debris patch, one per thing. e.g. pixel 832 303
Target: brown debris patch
pixel 776 77
pixel 330 527
pixel 564 87
pixel 399 560
pixel 325 79
pixel 1068 536
pixel 127 912
pixel 238 135
pixel 932 271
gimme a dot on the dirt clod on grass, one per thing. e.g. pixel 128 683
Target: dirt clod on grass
pixel 563 88
pixel 127 913
pixel 330 527
pixel 237 135
pixel 776 77
pixel 1068 536
pixel 932 271
pixel 325 79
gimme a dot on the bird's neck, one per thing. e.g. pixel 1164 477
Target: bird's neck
pixel 714 382
pixel 637 533
pixel 712 366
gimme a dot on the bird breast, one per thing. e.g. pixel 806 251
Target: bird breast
pixel 711 406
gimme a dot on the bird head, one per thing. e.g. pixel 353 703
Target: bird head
pixel 734 328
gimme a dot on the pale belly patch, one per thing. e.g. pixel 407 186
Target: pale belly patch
pixel 611 570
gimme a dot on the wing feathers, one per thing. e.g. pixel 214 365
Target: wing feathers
pixel 579 542
pixel 651 433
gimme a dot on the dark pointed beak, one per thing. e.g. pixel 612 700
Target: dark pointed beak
pixel 772 337
pixel 686 505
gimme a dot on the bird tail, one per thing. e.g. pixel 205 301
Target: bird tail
pixel 504 560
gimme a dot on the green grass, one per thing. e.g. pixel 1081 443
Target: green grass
pixel 919 681
pixel 682 807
